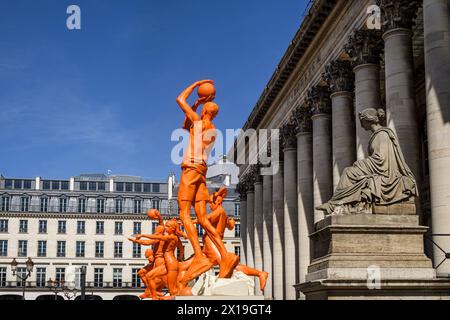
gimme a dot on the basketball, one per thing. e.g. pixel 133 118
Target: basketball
pixel 206 90
pixel 153 214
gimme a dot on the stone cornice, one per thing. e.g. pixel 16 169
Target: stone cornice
pixel 398 13
pixel 339 76
pixel 302 40
pixel 318 100
pixel 364 47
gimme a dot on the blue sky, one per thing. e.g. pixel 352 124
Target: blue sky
pixel 103 98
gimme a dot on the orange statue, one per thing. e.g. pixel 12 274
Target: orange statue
pixel 192 189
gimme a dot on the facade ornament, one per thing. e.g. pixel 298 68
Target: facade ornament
pixel 318 100
pixel 241 188
pixel 339 76
pixel 302 118
pixel 288 135
pixel 364 47
pixel 398 13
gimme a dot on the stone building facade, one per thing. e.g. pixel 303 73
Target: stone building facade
pixel 339 63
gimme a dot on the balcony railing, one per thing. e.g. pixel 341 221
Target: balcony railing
pixel 89 285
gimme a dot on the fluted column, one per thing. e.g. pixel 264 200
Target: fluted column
pixel 250 220
pixel 340 77
pixel 305 194
pixel 258 216
pixel 364 47
pixel 397 20
pixel 320 105
pixel 437 70
pixel 268 234
pixel 241 189
pixel 278 233
pixel 290 210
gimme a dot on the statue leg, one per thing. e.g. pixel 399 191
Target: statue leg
pixel 262 275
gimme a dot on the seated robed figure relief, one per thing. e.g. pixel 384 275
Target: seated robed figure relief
pixel 382 179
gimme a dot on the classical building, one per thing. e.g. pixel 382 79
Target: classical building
pixel 341 61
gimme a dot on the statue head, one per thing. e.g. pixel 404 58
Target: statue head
pixel 211 109
pixel 171 226
pixel 371 117
pixel 149 255
pixel 159 229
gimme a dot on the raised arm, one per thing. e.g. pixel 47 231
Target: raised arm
pixel 182 102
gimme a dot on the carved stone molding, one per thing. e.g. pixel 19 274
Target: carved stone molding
pixel 365 46
pixel 339 76
pixel 302 118
pixel 241 188
pixel 318 100
pixel 398 13
pixel 289 135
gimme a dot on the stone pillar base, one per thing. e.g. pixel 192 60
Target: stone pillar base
pixel 371 256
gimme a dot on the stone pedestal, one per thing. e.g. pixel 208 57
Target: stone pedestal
pixel 370 256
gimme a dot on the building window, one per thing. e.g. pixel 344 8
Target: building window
pixel 8 184
pixel 41 277
pixel 24 204
pixel 22 248
pixel 128 187
pixel 117 249
pixel 80 246
pixel 3 248
pixel 136 250
pixel 100 227
pixel 137 206
pixel 83 185
pixel 60 274
pixel 100 205
pixel 237 209
pixel 17 184
pixel 99 249
pixel 63 205
pixel 27 184
pixel 62 226
pixel 55 185
pixel 81 227
pixel 154 225
pixel 119 186
pixel 118 230
pixel 155 204
pixel 119 205
pixel 98 277
pixel 101 186
pixel 117 277
pixel 46 185
pixel 138 187
pixel 155 187
pixel 44 204
pixel 42 248
pixel 135 279
pixel 92 186
pixel 60 248
pixel 64 185
pixel 3 226
pixel 2 276
pixel 237 251
pixel 147 187
pixel 199 230
pixel 137 226
pixel 82 205
pixel 237 230
pixel 42 226
pixel 5 203
pixel 21 273
pixel 23 226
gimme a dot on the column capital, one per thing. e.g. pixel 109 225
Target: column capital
pixel 339 76
pixel 241 188
pixel 302 118
pixel 318 100
pixel 364 47
pixel 398 13
pixel 288 135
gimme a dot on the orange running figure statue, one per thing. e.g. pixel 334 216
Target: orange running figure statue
pixel 192 189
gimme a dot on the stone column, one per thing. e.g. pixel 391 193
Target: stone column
pixel 278 234
pixel 320 104
pixel 268 234
pixel 305 194
pixel 250 220
pixel 364 47
pixel 437 70
pixel 340 77
pixel 290 209
pixel 241 189
pixel 397 20
pixel 258 249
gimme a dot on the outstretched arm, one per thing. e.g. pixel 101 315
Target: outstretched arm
pixel 182 102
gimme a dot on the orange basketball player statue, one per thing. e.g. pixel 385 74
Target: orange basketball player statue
pixel 192 189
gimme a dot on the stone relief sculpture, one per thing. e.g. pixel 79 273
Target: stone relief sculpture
pixel 382 179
